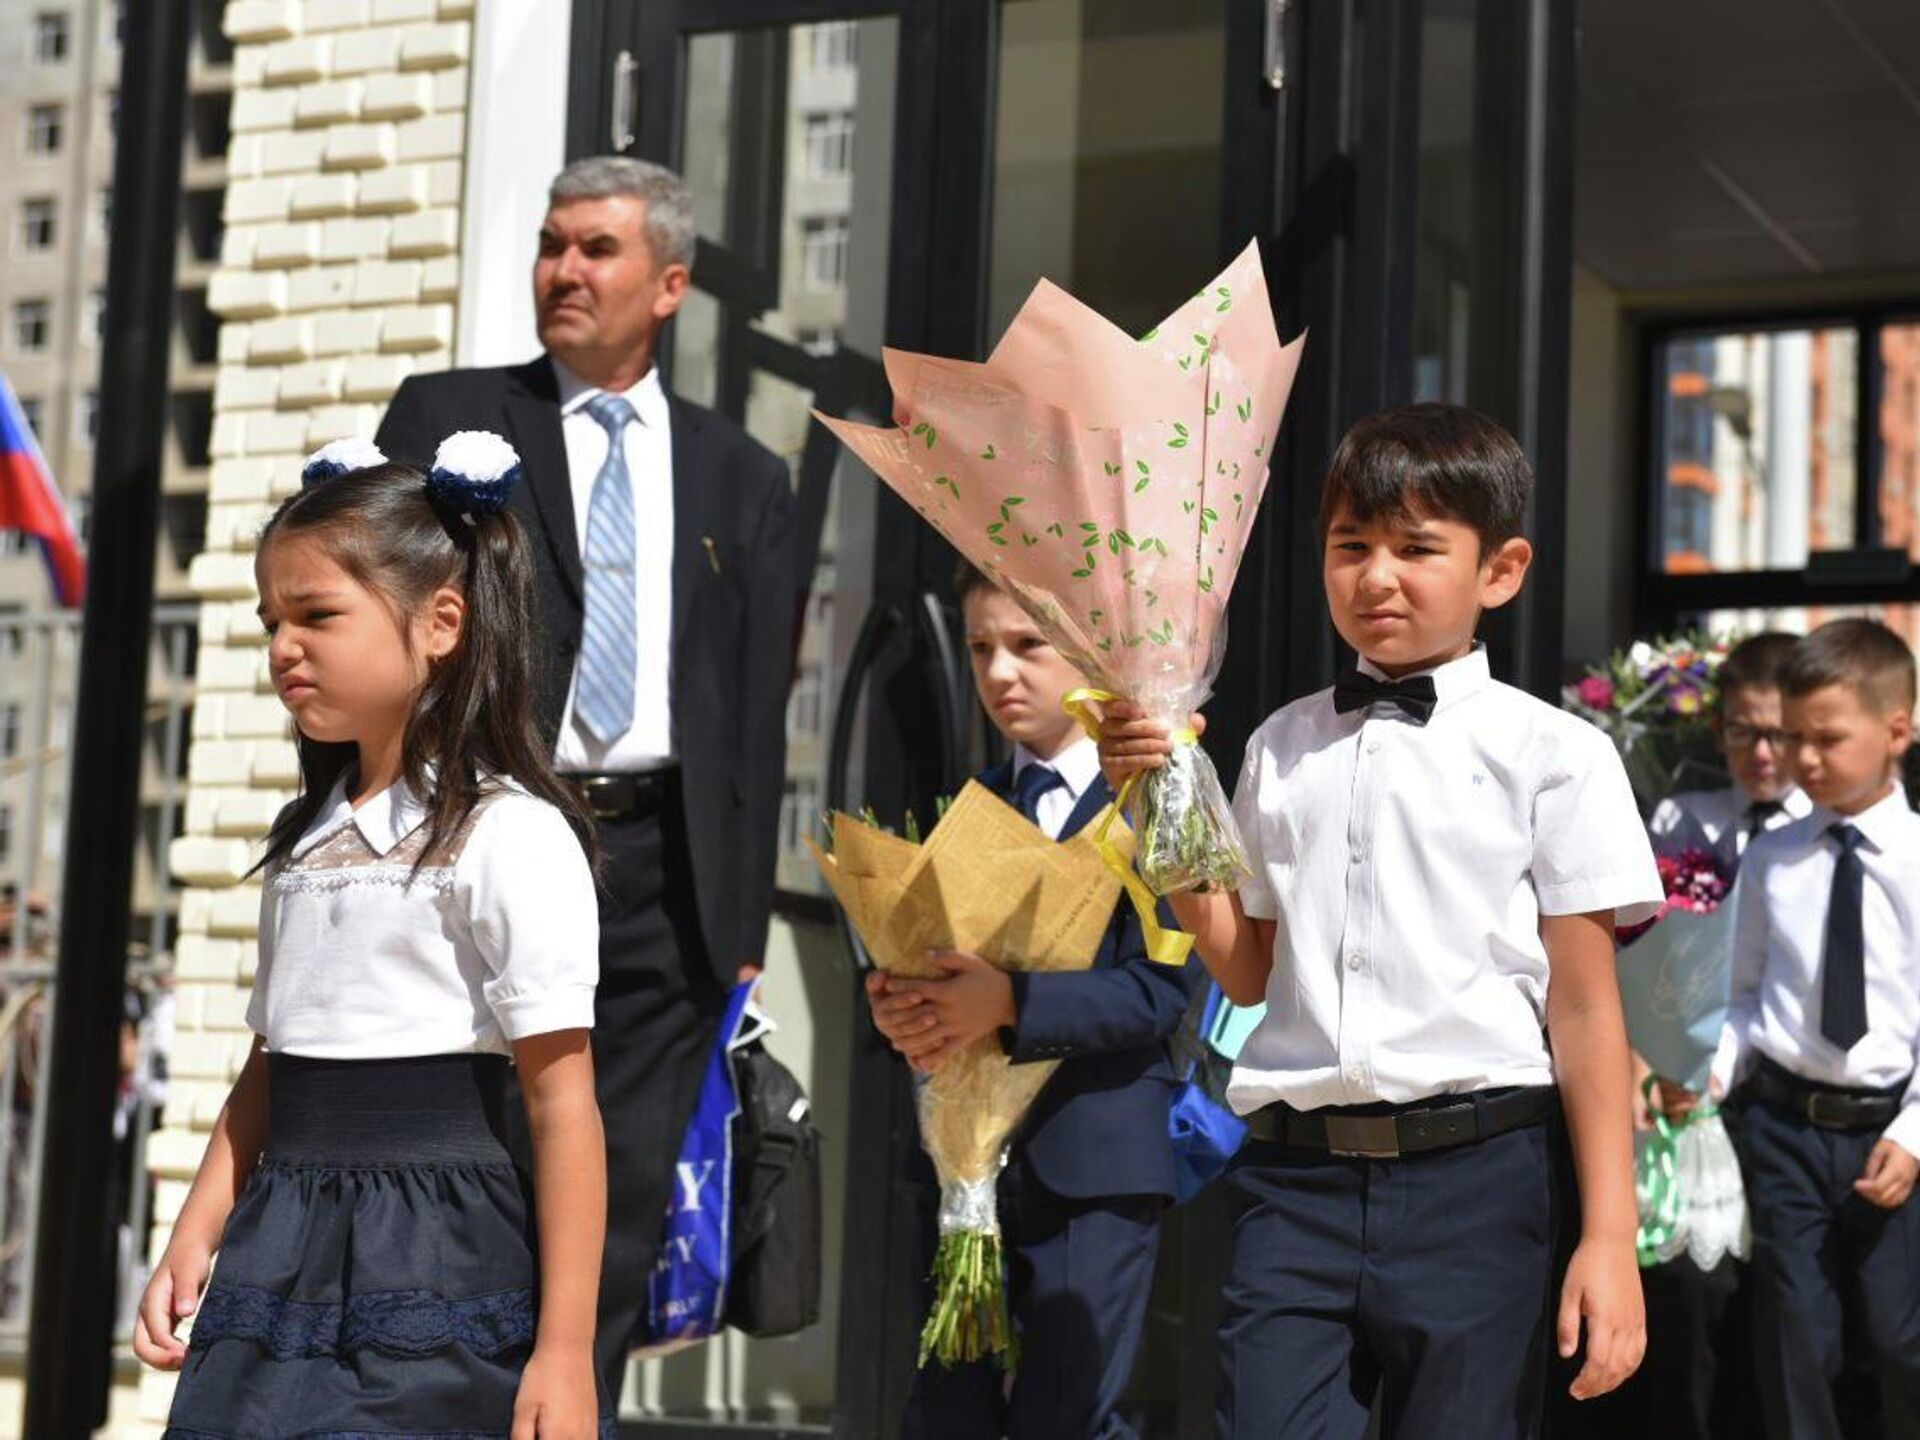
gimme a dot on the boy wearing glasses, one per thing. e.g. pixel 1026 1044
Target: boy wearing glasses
pixel 1746 723
pixel 1695 1380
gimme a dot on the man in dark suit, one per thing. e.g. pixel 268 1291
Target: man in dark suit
pixel 662 537
pixel 1091 1168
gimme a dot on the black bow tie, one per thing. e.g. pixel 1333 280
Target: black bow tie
pixel 1415 697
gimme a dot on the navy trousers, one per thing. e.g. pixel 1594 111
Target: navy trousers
pixel 1078 1277
pixel 1822 1258
pixel 1426 1281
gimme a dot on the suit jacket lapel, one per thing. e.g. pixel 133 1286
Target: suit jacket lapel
pixel 1095 798
pixel 999 779
pixel 533 422
pixel 693 499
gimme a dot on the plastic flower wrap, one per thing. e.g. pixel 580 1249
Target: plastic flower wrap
pixel 1109 486
pixel 1675 976
pixel 987 882
pixel 1655 700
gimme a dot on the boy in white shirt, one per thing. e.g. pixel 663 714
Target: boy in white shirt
pixel 1746 724
pixel 1429 848
pixel 1822 1035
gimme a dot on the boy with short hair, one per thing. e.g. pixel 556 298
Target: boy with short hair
pixel 1746 726
pixel 1091 1168
pixel 1438 863
pixel 1697 1319
pixel 1823 1032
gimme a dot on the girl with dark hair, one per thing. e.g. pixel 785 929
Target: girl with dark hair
pixel 428 917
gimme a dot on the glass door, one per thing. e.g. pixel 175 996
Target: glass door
pixel 791 121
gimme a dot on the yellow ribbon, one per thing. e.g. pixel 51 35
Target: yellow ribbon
pixel 1164 946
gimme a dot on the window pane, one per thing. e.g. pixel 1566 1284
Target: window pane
pixel 36 224
pixel 50 37
pixel 1106 163
pixel 32 325
pixel 1757 467
pixel 1902 618
pixel 43 129
pixel 1899 425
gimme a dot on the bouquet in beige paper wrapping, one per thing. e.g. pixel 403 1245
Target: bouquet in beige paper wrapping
pixel 989 883
pixel 1109 485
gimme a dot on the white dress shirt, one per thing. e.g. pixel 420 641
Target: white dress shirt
pixel 1406 868
pixel 496 939
pixel 1078 766
pixel 1779 939
pixel 1716 821
pixel 649 445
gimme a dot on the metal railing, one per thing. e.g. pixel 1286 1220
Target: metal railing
pixel 38 661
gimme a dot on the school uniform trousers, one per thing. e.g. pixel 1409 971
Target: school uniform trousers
pixel 1082 1195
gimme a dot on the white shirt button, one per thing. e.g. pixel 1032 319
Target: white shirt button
pixel 1356 1073
pixel 1373 747
pixel 1353 961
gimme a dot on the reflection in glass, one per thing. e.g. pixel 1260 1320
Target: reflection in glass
pixel 789 152
pixel 1902 619
pixel 1443 259
pixel 1900 437
pixel 1106 164
pixel 1758 465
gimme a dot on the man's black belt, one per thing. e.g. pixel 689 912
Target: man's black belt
pixel 1831 1107
pixel 1387 1132
pixel 622 795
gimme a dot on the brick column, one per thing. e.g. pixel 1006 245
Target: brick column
pixel 337 279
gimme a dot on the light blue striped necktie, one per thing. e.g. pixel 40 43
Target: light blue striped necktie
pixel 603 695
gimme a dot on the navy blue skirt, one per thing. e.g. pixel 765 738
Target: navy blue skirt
pixel 377 1276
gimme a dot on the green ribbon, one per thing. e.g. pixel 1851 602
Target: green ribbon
pixel 1654 1180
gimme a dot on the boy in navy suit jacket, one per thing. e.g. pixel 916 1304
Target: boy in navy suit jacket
pixel 1092 1167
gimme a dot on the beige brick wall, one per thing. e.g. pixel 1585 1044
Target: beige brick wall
pixel 337 280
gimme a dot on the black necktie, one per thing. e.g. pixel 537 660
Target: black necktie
pixel 1843 979
pixel 1755 824
pixel 1030 784
pixel 1415 697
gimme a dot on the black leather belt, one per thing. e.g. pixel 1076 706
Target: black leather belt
pixel 1386 1132
pixel 1830 1107
pixel 622 795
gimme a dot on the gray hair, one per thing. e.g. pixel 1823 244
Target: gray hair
pixel 669 203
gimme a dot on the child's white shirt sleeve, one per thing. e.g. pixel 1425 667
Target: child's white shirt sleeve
pixel 525 888
pixel 1257 898
pixel 1590 850
pixel 263 964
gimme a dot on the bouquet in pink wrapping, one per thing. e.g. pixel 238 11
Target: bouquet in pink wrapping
pixel 1109 485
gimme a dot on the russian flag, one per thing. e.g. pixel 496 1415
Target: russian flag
pixel 30 503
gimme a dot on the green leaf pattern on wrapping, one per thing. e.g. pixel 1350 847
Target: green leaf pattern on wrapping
pixel 1148 595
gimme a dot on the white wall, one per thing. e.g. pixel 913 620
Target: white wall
pixel 516 144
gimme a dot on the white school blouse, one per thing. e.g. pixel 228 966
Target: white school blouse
pixel 1716 821
pixel 1779 944
pixel 495 939
pixel 1406 868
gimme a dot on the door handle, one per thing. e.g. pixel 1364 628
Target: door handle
pixel 626 71
pixel 949 691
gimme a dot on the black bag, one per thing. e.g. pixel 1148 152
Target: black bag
pixel 774 1284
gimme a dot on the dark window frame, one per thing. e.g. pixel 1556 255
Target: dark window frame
pixel 1664 601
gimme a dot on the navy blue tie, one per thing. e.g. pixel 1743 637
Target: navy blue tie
pixel 1843 978
pixel 1030 784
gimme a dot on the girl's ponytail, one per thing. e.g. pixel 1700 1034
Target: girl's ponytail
pixel 405 535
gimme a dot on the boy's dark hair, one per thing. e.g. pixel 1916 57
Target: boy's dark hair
pixel 474 720
pixel 967 578
pixel 1863 655
pixel 1444 461
pixel 1756 663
